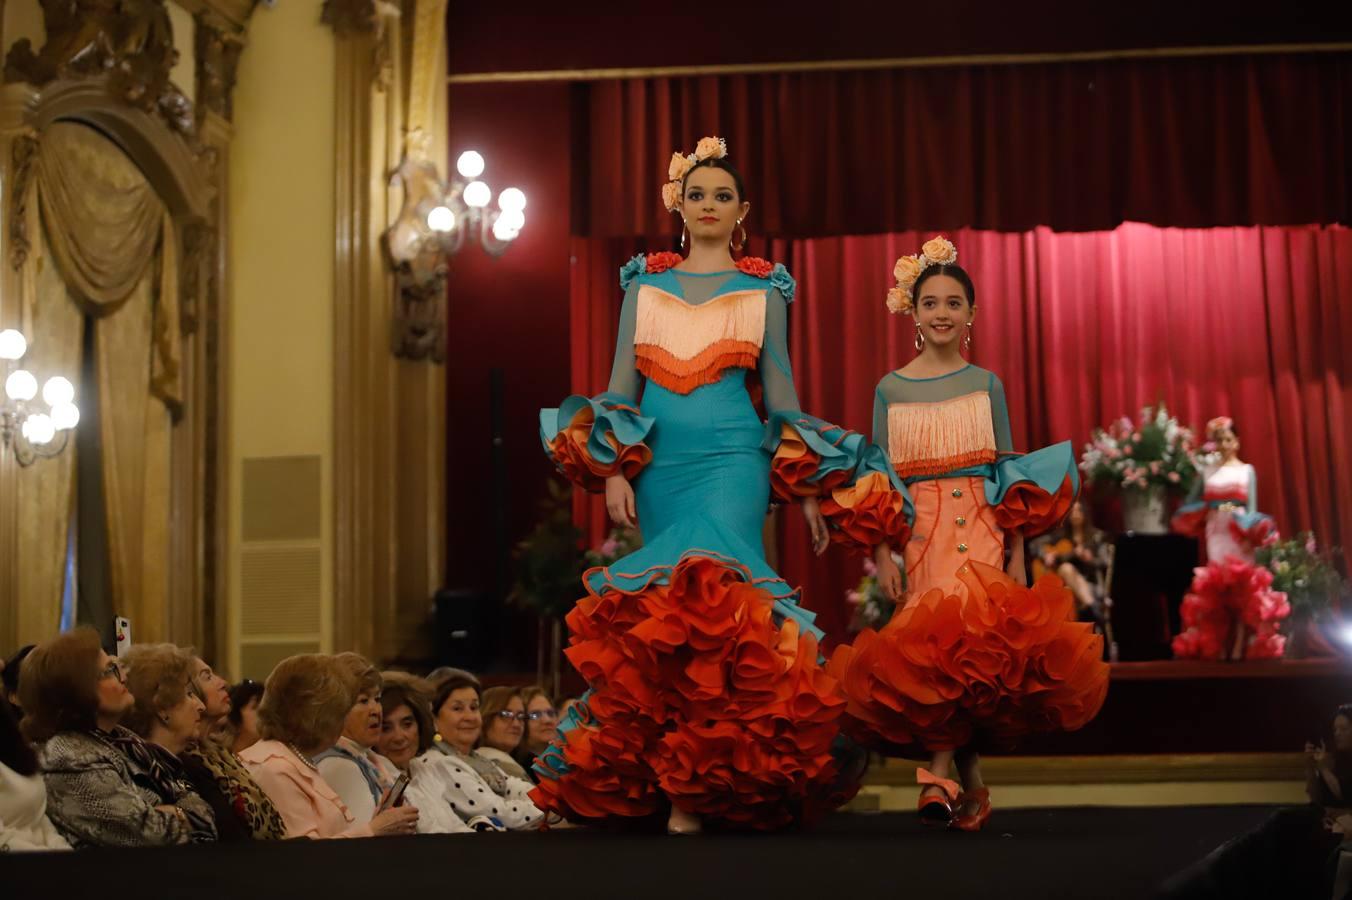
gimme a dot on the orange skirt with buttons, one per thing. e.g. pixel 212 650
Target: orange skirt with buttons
pixel 972 659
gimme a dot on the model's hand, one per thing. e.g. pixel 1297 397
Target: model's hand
pixel 620 501
pixel 889 576
pixel 816 524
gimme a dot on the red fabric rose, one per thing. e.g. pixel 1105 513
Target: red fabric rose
pixel 755 266
pixel 660 262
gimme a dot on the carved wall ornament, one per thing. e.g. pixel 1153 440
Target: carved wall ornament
pixel 130 42
pixel 24 158
pixel 366 17
pixel 218 46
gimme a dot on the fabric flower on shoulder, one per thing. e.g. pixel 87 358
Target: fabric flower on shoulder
pixel 632 269
pixel 666 259
pixel 755 266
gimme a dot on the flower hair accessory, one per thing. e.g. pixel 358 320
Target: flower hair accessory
pixel 680 166
pixel 1215 425
pixel 937 252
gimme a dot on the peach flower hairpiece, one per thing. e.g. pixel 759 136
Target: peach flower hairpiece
pixel 680 166
pixel 1216 424
pixel 936 252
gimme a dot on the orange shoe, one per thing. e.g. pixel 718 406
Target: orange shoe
pixel 978 819
pixel 936 811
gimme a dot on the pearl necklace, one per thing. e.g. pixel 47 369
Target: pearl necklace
pixel 303 758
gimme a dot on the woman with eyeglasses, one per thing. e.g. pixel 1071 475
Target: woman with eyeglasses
pixel 542 723
pixel 476 786
pixel 74 698
pixel 243 810
pixel 504 716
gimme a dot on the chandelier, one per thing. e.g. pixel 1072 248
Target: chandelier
pixel 464 210
pixel 33 431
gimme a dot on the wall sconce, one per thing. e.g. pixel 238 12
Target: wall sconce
pixel 30 431
pixel 435 222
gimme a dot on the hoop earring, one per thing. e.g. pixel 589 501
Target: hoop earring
pixel 967 338
pixel 683 231
pixel 737 246
pixel 919 340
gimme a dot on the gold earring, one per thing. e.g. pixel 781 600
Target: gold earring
pixel 967 338
pixel 737 246
pixel 919 339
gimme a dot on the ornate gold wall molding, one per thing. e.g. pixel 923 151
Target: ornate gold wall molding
pixel 218 45
pixel 389 414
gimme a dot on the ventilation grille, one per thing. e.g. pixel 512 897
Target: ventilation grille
pixel 280 590
pixel 257 660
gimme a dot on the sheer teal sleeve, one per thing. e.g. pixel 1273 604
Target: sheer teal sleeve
pixel 625 379
pixel 880 421
pixel 1253 490
pixel 775 371
pixel 1004 441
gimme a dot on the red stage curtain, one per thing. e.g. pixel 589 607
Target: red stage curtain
pixel 1251 322
pixel 1236 140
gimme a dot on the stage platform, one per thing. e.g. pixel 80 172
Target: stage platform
pixel 1073 853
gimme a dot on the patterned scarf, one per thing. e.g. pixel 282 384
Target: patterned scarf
pixel 346 748
pixel 486 769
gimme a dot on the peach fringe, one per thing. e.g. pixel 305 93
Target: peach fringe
pixel 685 331
pixel 934 438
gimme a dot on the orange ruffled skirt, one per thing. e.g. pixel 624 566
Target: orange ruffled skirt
pixel 976 667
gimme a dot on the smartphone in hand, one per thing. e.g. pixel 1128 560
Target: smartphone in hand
pixel 395 797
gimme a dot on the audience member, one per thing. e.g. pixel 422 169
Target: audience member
pixel 504 717
pixel 241 725
pixel 73 695
pixel 478 786
pixel 23 795
pixel 405 739
pixel 352 767
pixel 305 702
pixel 243 811
pixel 542 722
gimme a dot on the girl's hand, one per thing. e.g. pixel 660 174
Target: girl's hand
pixel 816 524
pixel 889 576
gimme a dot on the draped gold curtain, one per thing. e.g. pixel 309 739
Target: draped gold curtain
pixel 109 256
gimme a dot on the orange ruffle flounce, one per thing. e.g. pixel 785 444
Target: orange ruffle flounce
pixel 1030 510
pixel 697 695
pixel 868 513
pixel 569 451
pixel 946 673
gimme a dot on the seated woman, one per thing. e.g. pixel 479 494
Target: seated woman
pixel 240 729
pixel 406 737
pixel 352 767
pixel 164 720
pixel 542 723
pixel 243 810
pixel 305 701
pixel 74 696
pixel 1078 553
pixel 23 797
pixel 504 717
pixel 478 786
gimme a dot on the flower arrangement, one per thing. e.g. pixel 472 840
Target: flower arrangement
pixel 1305 572
pixel 680 166
pixel 1155 451
pixel 872 607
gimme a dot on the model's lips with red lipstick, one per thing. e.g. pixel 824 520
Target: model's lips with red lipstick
pixel 708 220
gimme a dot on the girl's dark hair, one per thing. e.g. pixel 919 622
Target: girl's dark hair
pixel 15 752
pixel 241 695
pixel 716 163
pixel 10 676
pixel 396 693
pixel 953 271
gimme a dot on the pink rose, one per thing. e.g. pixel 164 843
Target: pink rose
pixel 870 568
pixel 1310 546
pixel 1175 477
pixel 1155 467
pixel 1136 436
pixel 854 598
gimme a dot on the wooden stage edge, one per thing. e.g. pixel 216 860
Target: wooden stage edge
pixel 1124 769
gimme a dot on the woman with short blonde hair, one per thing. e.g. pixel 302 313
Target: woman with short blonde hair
pixel 352 766
pixel 305 701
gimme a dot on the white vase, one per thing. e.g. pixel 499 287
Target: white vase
pixel 1146 512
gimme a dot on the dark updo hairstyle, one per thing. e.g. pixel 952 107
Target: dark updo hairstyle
pixel 241 695
pixel 952 270
pixel 714 162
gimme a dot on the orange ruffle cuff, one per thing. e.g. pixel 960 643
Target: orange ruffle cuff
pixel 809 457
pixel 868 513
pixel 590 440
pixel 945 673
pixel 1033 493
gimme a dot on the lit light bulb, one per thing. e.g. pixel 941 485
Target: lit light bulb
pixel 504 232
pixel 470 164
pixel 12 344
pixel 512 219
pixel 441 219
pixel 65 416
pixel 57 391
pixel 477 194
pixel 512 198
pixel 38 429
pixel 21 385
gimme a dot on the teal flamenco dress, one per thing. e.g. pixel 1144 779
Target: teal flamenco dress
pixel 706 685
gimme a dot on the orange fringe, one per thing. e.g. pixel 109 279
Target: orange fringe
pixel 944 466
pixel 683 376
